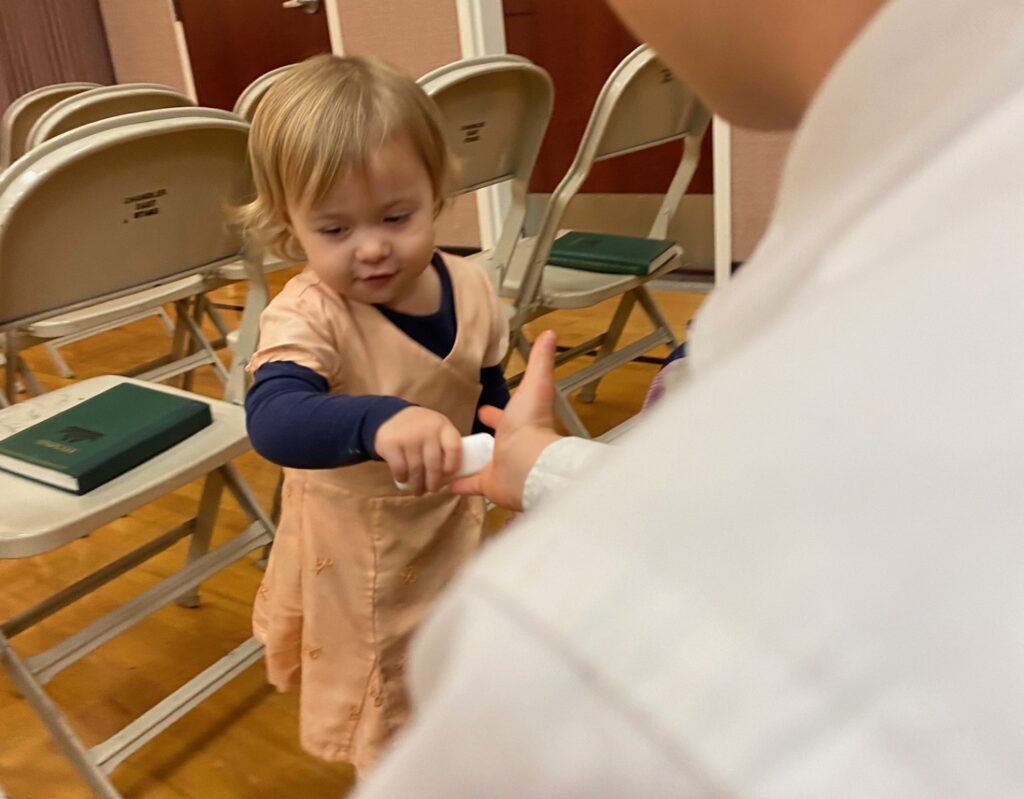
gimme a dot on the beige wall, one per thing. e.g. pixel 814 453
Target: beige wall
pixel 142 40
pixel 416 36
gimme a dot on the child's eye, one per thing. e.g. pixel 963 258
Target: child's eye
pixel 333 230
pixel 396 219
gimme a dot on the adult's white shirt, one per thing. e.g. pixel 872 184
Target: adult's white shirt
pixel 803 574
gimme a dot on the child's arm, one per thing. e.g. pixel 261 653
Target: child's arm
pixel 293 421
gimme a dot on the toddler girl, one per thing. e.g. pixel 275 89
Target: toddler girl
pixel 372 363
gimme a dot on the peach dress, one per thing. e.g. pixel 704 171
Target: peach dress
pixel 356 563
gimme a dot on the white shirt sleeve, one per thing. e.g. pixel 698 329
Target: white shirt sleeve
pixel 559 466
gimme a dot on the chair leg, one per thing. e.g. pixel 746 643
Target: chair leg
pixel 654 314
pixel 181 333
pixel 215 316
pixel 165 320
pixel 54 720
pixel 199 543
pixel 275 517
pixel 610 342
pixel 573 424
pixel 188 379
pixel 58 361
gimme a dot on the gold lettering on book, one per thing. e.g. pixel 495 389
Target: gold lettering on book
pixel 57 445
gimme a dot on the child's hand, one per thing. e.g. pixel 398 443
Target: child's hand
pixel 422 447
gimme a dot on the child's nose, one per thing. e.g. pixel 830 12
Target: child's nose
pixel 372 248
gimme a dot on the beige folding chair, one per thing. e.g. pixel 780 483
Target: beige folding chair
pixel 67 240
pixel 188 294
pixel 22 114
pixel 102 103
pixel 245 105
pixel 641 105
pixel 495 111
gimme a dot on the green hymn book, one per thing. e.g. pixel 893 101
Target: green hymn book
pixel 606 252
pixel 102 437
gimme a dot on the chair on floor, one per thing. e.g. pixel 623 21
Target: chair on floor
pixel 69 239
pixel 22 114
pixel 190 348
pixel 102 103
pixel 495 111
pixel 641 105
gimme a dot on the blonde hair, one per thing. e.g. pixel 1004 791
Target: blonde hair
pixel 322 117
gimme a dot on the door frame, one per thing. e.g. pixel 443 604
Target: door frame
pixel 721 160
pixel 482 32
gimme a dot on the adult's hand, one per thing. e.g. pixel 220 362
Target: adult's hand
pixel 521 432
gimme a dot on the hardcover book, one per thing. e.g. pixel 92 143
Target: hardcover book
pixel 606 252
pixel 102 437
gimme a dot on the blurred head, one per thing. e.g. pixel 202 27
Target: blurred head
pixel 757 64
pixel 324 119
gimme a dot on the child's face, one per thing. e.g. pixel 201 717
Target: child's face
pixel 372 236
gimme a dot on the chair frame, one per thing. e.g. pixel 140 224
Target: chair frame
pixel 188 295
pixel 531 301
pixel 34 103
pixel 45 519
pixel 528 139
pixel 49 123
pixel 251 96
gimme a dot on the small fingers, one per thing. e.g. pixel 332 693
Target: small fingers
pixel 433 464
pixel 451 448
pixel 415 470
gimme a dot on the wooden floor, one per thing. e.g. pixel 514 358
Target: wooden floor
pixel 242 742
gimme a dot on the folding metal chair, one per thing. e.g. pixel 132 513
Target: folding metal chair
pixel 187 294
pixel 22 114
pixel 495 110
pixel 641 105
pixel 102 103
pixel 69 239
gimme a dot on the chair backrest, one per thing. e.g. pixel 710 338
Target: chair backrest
pixel 102 103
pixel 28 159
pixel 124 209
pixel 249 99
pixel 641 105
pixel 22 114
pixel 496 110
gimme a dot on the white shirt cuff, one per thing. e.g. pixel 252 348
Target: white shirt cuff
pixel 558 467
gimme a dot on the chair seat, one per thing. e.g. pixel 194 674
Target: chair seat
pixel 38 518
pixel 234 272
pixel 114 310
pixel 574 288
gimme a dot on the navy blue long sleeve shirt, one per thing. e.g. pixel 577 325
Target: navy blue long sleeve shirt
pixel 293 420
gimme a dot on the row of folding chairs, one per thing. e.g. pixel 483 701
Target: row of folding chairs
pixel 77 256
pixel 68 241
pixel 507 102
pixel 54 116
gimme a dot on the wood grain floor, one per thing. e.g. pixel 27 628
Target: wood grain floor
pixel 242 742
